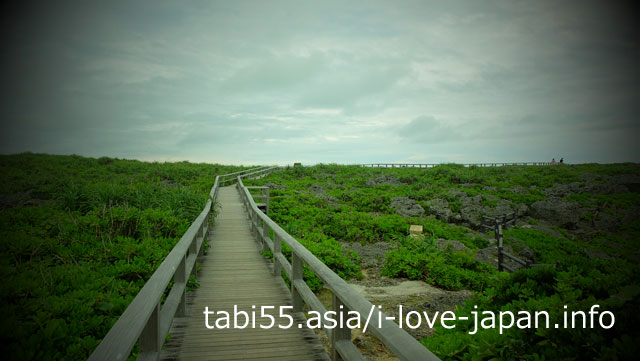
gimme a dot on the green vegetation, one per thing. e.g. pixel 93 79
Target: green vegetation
pixel 418 258
pixel 595 261
pixel 80 237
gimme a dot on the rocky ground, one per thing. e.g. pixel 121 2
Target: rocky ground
pixel 545 215
pixel 573 210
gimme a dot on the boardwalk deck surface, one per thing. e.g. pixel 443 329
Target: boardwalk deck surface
pixel 234 273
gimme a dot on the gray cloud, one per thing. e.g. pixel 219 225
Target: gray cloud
pixel 428 129
pixel 332 81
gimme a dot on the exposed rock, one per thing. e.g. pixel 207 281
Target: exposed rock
pixel 407 207
pixel 518 190
pixel 604 188
pixel 318 191
pixel 454 245
pixel 605 221
pixel 488 255
pixel 523 251
pixel 383 179
pixel 275 186
pixel 490 189
pixel 624 179
pixel 372 255
pixel 564 189
pixel 504 206
pixel 587 177
pixel 472 210
pixel 558 211
pixel 440 208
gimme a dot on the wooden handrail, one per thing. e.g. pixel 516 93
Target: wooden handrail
pixel 431 165
pixel 147 319
pixel 232 176
pixel 403 345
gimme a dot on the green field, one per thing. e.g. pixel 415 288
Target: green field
pixel 583 220
pixel 80 236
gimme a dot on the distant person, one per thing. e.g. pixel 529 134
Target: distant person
pixel 561 160
pixel 553 161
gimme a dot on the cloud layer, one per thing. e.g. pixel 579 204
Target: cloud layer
pixel 347 82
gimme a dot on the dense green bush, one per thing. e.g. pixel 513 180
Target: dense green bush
pixel 418 258
pixel 80 237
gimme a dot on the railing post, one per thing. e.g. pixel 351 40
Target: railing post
pixel 251 220
pixel 277 250
pixel 203 228
pixel 193 248
pixel 150 336
pixel 342 332
pixel 499 238
pixel 181 277
pixel 296 274
pixel 265 235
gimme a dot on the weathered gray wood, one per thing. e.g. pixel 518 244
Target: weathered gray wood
pixel 170 306
pixel 277 253
pixel 232 176
pixel 234 274
pixel 296 275
pixel 500 248
pixel 348 350
pixel 340 334
pixel 514 258
pixel 150 343
pixel 504 266
pixel 284 263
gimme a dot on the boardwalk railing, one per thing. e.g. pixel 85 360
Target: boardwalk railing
pixel 431 165
pixel 499 224
pixel 345 298
pixel 147 319
pixel 231 177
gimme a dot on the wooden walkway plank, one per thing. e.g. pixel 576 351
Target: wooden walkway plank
pixel 234 273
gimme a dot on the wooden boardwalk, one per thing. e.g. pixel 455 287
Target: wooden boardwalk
pixel 235 273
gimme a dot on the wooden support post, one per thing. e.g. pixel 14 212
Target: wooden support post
pixel 254 224
pixel 150 337
pixel 342 332
pixel 265 234
pixel 499 238
pixel 193 248
pixel 204 236
pixel 277 249
pixel 181 277
pixel 296 274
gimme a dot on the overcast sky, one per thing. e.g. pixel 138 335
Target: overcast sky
pixel 347 82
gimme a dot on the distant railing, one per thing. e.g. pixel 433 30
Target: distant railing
pixel 345 298
pixel 431 165
pixel 232 176
pixel 147 319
